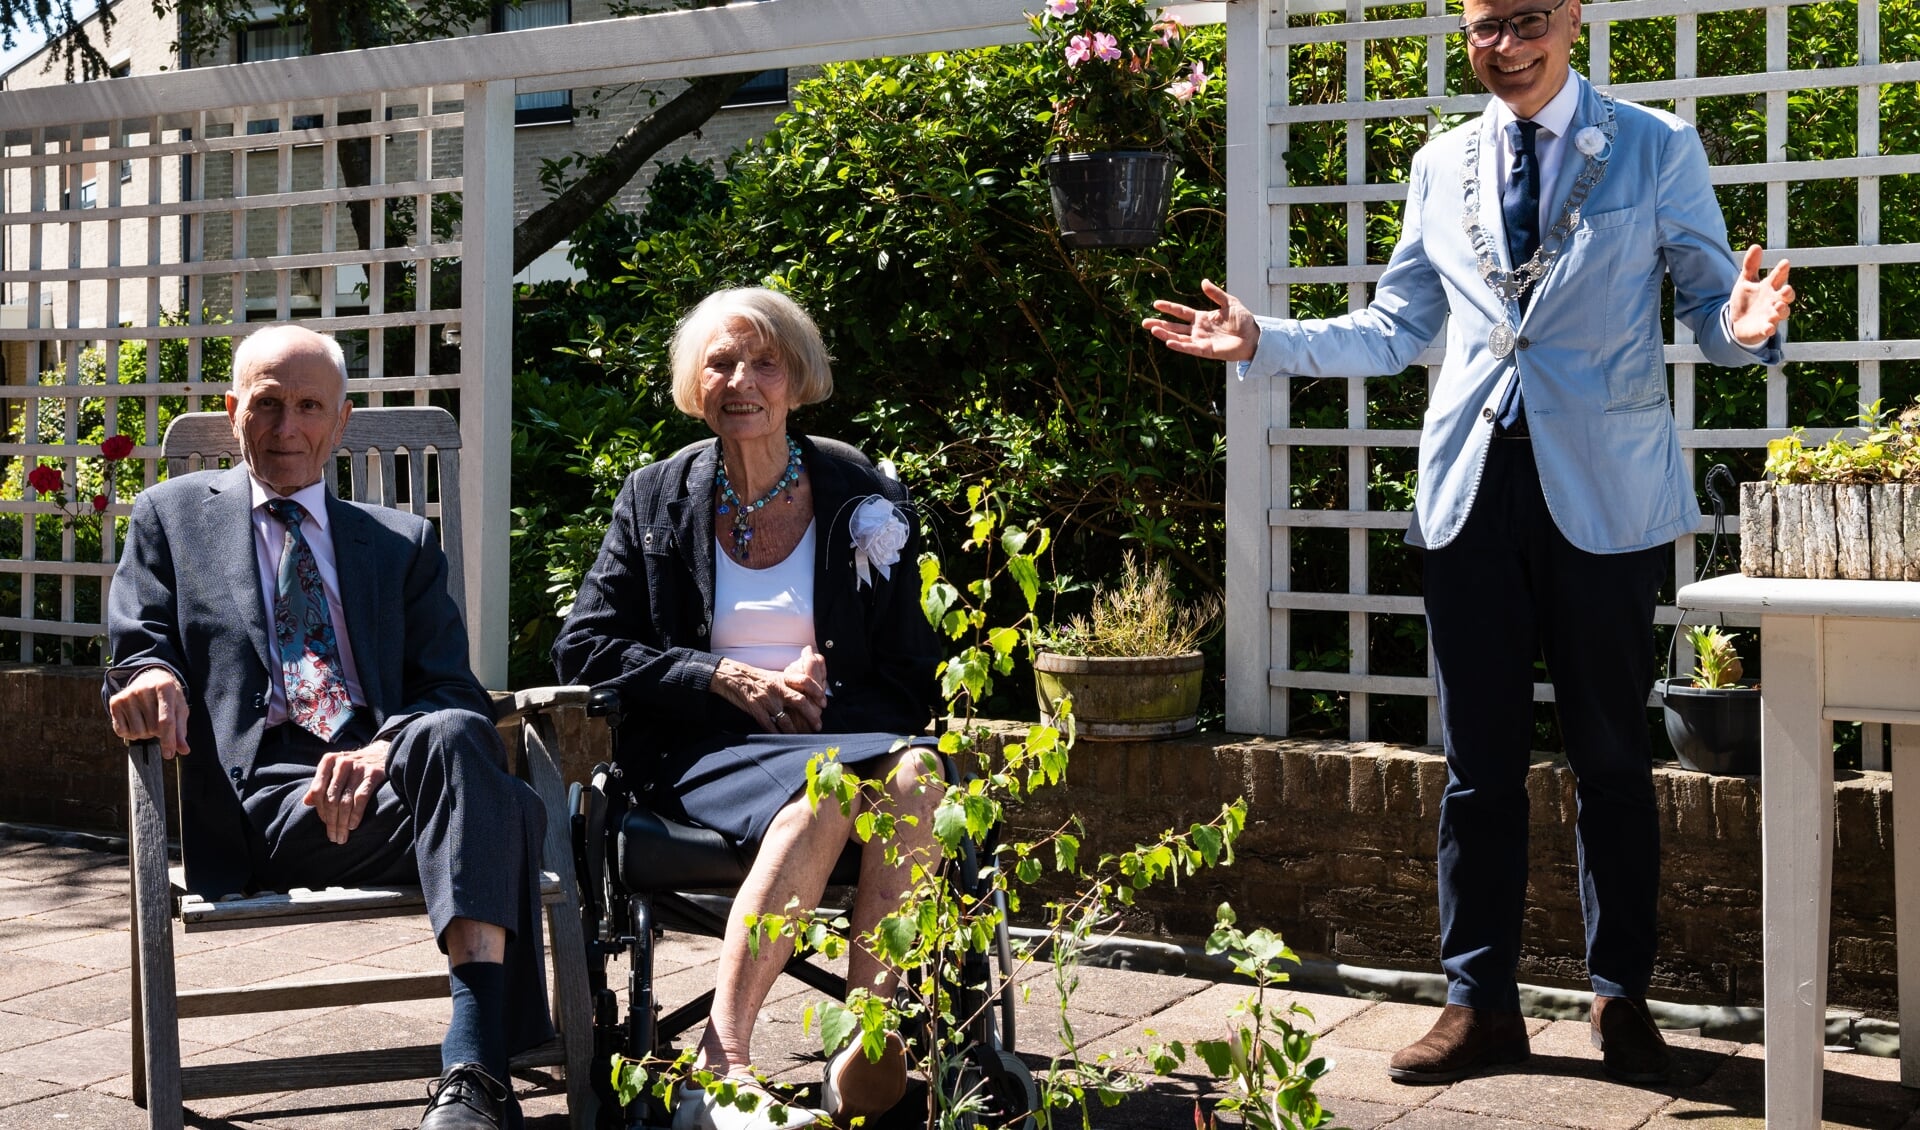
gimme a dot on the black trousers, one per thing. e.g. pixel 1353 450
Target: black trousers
pixel 448 817
pixel 1508 590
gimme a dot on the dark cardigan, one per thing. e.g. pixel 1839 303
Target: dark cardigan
pixel 643 619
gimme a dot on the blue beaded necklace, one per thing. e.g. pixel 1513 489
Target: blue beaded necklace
pixel 743 511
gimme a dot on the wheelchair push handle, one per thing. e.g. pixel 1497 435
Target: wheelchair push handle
pixel 602 702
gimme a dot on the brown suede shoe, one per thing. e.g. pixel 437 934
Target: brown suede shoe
pixel 1631 1049
pixel 1461 1042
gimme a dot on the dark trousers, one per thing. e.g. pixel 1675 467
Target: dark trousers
pixel 448 817
pixel 1509 590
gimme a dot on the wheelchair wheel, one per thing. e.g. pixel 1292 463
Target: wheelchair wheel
pixel 1006 1085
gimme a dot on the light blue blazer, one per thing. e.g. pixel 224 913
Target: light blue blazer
pixel 1591 369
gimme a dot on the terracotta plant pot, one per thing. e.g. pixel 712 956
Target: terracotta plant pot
pixel 1116 199
pixel 1713 730
pixel 1121 698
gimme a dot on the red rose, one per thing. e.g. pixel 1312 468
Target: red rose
pixel 99 503
pixel 45 479
pixel 117 447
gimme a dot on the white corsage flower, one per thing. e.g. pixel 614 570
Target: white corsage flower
pixel 879 534
pixel 1591 141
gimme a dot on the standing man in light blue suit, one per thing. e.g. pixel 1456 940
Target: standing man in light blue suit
pixel 1551 484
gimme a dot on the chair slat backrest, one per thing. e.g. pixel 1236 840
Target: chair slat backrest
pixel 375 441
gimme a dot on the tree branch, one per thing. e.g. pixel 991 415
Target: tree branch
pixel 609 173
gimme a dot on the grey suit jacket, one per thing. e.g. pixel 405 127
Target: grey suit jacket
pixel 186 596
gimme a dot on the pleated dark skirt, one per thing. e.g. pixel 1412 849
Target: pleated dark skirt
pixel 735 784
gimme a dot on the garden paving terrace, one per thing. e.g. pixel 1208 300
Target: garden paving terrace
pixel 64 1046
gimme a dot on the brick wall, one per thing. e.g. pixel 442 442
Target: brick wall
pixel 1338 852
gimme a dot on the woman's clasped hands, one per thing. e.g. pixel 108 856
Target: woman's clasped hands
pixel 788 701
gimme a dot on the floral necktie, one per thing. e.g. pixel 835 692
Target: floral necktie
pixel 309 651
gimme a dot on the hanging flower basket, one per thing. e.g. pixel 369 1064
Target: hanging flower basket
pixel 1116 199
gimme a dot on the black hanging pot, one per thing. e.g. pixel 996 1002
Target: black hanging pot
pixel 1713 730
pixel 1115 199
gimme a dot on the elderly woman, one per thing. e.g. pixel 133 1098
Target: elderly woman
pixel 755 601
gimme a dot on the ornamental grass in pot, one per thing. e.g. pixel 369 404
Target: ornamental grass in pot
pixel 1713 715
pixel 1132 665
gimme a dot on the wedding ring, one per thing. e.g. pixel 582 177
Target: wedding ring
pixel 779 714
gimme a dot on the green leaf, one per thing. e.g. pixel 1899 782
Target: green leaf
pixel 1218 1056
pixel 837 1024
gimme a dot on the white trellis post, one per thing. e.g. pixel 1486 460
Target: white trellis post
pixel 486 369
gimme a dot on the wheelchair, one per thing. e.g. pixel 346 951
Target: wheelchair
pixel 641 874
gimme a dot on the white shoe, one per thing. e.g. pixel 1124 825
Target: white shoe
pixel 857 1087
pixel 695 1109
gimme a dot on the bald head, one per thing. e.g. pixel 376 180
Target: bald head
pixel 288 404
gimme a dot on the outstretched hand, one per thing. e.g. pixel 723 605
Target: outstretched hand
pixel 1226 334
pixel 1758 305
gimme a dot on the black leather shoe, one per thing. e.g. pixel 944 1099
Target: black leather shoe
pixel 1631 1048
pixel 466 1098
pixel 1461 1042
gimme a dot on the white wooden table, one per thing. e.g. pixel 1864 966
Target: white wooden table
pixel 1829 650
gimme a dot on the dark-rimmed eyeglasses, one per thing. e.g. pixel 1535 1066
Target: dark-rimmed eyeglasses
pixel 1531 24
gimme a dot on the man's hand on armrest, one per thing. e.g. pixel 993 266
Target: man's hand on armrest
pixel 154 706
pixel 343 784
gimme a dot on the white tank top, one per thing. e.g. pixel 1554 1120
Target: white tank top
pixel 763 617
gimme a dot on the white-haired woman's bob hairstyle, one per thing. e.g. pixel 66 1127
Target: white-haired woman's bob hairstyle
pixel 775 319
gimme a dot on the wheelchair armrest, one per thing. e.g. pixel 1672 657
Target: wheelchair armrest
pixel 537 699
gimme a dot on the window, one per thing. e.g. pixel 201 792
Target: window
pixel 548 105
pixel 768 88
pixel 89 194
pixel 272 39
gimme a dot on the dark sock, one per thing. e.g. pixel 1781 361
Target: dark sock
pixel 478 1033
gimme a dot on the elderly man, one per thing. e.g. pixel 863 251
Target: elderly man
pixel 1551 484
pixel 306 653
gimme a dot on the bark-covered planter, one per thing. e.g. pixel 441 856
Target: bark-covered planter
pixel 1846 530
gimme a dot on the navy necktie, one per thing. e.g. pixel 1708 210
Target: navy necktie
pixel 1520 208
pixel 303 634
pixel 1520 199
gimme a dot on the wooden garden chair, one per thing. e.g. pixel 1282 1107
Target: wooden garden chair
pixel 374 438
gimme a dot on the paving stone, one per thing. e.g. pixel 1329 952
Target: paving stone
pixel 20 900
pixel 33 932
pixel 79 1059
pixel 17 1089
pixel 328 941
pixel 254 964
pixel 358 1029
pixel 1360 1074
pixel 75 1110
pixel 101 949
pixel 1433 1118
pixel 97 1000
pixel 97 913
pixel 24 976
pixel 18 1029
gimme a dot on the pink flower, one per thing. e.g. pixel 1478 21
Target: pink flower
pixel 1079 50
pixel 116 447
pixel 99 503
pixel 1059 8
pixel 1105 47
pixel 45 479
pixel 1181 90
pixel 1169 30
pixel 1199 76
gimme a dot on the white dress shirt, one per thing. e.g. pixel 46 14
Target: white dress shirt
pixel 1549 145
pixel 269 538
